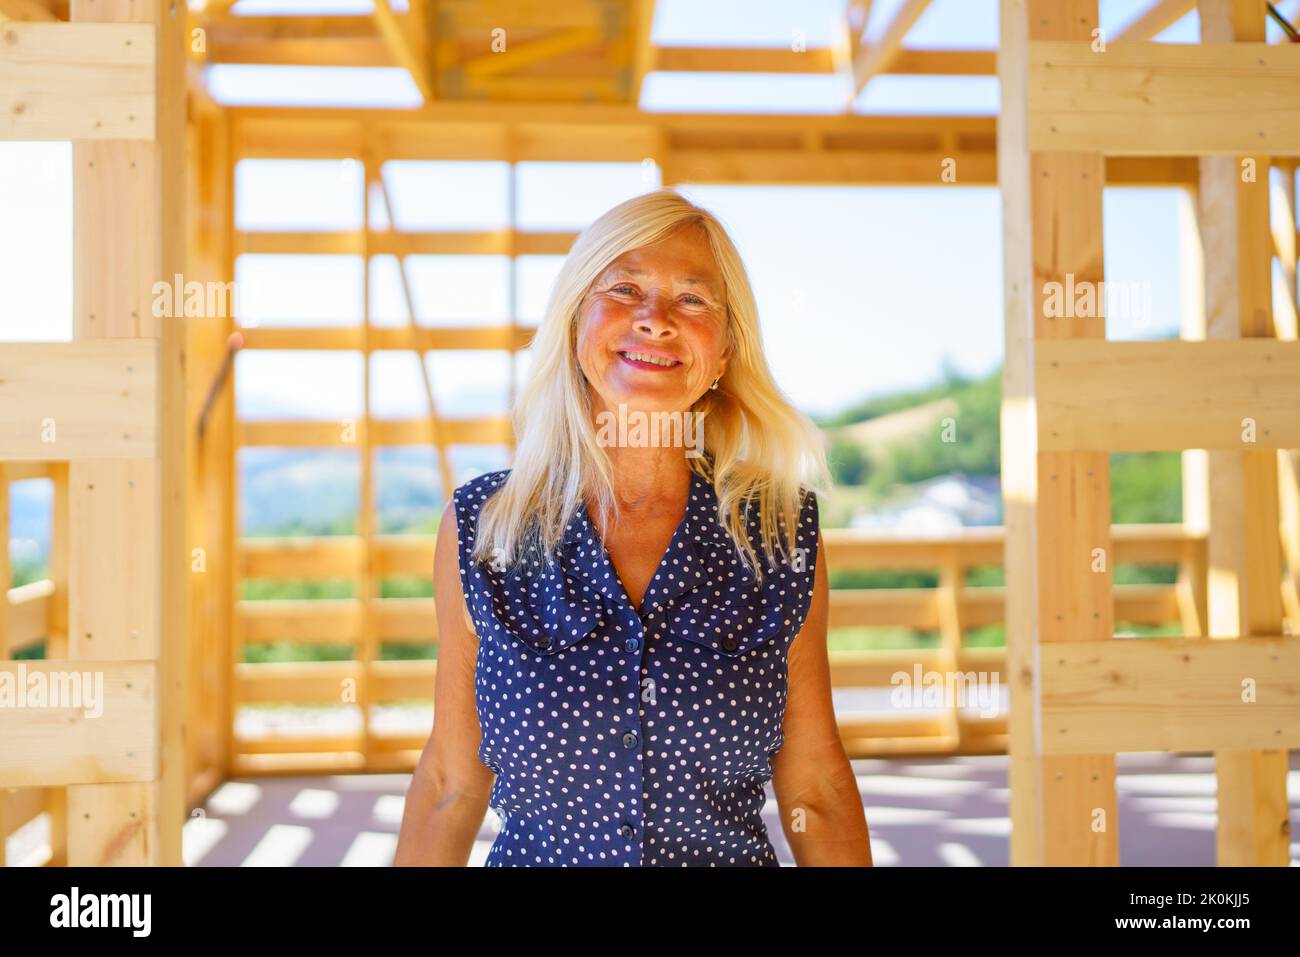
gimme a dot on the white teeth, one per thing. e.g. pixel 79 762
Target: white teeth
pixel 654 360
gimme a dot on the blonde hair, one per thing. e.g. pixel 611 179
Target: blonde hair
pixel 758 449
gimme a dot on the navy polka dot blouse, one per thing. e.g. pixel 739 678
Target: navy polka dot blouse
pixel 623 736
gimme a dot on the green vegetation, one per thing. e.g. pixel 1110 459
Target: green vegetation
pixel 879 406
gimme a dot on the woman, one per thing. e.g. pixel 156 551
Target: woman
pixel 632 631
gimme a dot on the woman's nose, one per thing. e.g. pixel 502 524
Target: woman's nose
pixel 652 318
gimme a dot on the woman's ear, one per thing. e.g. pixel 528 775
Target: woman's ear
pixel 725 358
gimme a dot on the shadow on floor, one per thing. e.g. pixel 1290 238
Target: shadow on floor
pixel 929 812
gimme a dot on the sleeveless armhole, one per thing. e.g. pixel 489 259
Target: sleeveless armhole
pixel 469 499
pixel 462 553
pixel 809 522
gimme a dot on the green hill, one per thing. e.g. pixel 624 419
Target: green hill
pixel 953 426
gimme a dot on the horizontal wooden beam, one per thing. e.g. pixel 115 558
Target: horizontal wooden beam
pixel 20 471
pixel 68 81
pixel 272 28
pixel 688 147
pixel 818 60
pixel 846 548
pixel 228 47
pixel 1165 99
pixel 352 123
pixel 1170 694
pixel 307 621
pixel 31 11
pixel 109 735
pixel 827 167
pixel 324 681
pixel 488 242
pixel 978 607
pixel 1153 543
pixel 298 433
pixel 1100 396
pixel 91 398
pixel 1182 171
pixel 322 621
pixel 388 338
pixel 876 669
pixel 315 556
pixel 910 62
pixel 337 620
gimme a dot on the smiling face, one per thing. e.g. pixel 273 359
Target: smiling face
pixel 652 332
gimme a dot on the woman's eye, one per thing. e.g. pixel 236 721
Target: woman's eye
pixel 697 301
pixel 631 289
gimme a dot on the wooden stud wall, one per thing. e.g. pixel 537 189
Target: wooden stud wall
pixel 112 82
pixel 1244 545
pixel 1066 105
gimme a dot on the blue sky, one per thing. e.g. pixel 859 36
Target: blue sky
pixel 861 290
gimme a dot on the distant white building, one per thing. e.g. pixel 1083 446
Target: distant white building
pixel 942 504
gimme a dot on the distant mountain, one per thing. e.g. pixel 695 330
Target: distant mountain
pixel 909 437
pixel 317 491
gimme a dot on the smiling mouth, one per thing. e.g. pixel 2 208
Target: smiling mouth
pixel 642 360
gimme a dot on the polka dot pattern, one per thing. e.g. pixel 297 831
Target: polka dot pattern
pixel 625 736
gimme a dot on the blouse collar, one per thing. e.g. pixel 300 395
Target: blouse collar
pixel 700 548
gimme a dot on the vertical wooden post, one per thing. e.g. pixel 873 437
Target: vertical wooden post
pixel 948 594
pixel 232 637
pixel 1191 585
pixel 366 649
pixel 209 674
pixel 56 639
pixel 1244 552
pixel 128 569
pixel 1058 552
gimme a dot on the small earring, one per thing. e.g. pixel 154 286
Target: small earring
pixel 715 382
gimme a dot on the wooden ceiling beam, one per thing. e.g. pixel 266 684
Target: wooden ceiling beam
pixel 857 15
pixel 272 27
pixel 228 46
pixel 821 148
pixel 818 60
pixel 27 11
pixel 530 52
pixel 405 38
pixel 299 51
pixel 644 58
pixel 873 60
pixel 1159 16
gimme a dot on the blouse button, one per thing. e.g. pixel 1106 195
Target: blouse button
pixel 632 644
pixel 626 831
pixel 729 643
pixel 629 739
pixel 544 641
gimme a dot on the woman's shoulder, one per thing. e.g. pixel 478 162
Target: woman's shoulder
pixel 808 509
pixel 470 495
pixel 808 512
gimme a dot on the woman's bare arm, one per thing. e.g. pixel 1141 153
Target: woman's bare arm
pixel 816 789
pixel 450 787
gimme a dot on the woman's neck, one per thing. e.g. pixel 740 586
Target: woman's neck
pixel 647 479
